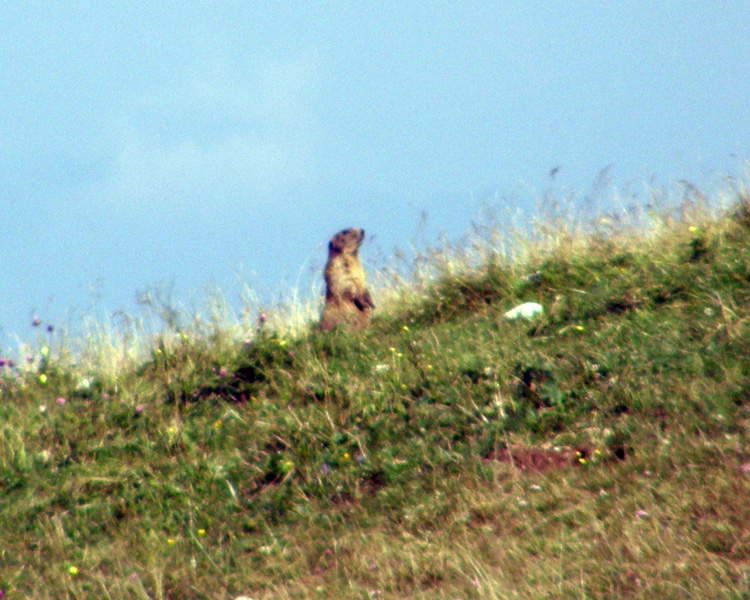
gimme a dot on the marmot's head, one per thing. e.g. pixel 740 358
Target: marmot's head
pixel 346 240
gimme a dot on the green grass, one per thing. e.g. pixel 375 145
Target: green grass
pixel 598 451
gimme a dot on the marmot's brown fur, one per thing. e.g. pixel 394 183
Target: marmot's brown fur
pixel 347 300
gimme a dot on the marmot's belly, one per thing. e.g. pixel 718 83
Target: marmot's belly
pixel 342 312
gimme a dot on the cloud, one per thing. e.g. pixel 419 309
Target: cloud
pixel 216 137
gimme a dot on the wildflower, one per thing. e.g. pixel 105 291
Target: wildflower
pixel 44 351
pixel 222 372
pixel 405 328
pixel 60 401
pixel 392 349
pixel 429 367
pixel 171 542
pixel 535 487
pixel 217 424
pixel 693 229
pixel 522 503
pixel 579 328
pixel 73 571
pixel 139 409
pixel 201 532
pixel 43 379
pixel 324 469
pixel 745 468
pixel 381 367
pixel 346 456
pixel 641 514
pixel 42 408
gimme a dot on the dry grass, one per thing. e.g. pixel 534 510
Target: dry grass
pixel 598 451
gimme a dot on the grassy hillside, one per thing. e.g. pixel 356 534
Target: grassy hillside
pixel 597 451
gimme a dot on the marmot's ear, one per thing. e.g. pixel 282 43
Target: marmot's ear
pixel 336 244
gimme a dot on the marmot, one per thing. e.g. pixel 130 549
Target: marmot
pixel 347 300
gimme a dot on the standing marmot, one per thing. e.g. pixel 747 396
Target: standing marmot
pixel 347 300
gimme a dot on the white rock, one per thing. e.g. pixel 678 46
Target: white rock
pixel 527 310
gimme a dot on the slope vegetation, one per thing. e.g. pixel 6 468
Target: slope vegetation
pixel 599 450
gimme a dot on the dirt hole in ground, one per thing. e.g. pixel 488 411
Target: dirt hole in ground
pixel 554 458
pixel 542 459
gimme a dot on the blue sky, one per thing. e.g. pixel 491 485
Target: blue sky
pixel 184 143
